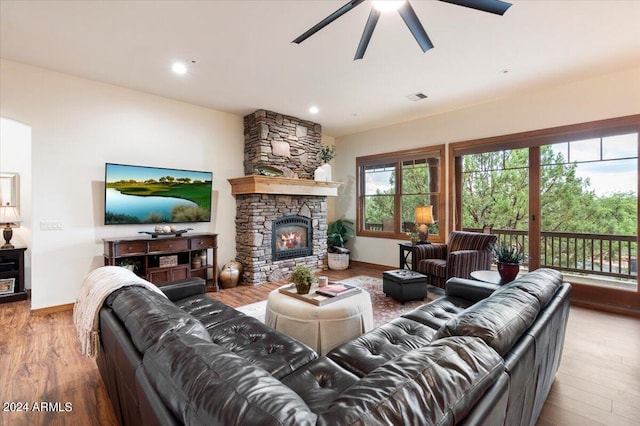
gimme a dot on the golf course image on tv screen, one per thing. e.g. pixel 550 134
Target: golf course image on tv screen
pixel 139 194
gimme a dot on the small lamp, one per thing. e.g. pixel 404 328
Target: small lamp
pixel 9 216
pixel 424 218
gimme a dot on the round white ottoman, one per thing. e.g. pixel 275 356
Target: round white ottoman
pixel 320 327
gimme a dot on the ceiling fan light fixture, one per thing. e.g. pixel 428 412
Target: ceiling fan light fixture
pixel 387 5
pixel 403 7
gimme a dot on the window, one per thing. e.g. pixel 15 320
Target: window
pixel 391 186
pixel 568 195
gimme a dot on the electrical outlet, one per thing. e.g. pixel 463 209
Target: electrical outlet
pixel 51 225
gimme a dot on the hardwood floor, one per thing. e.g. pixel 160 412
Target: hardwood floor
pixel 598 382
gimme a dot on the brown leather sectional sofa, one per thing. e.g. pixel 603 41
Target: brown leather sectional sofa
pixel 474 357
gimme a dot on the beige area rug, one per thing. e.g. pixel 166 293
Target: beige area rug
pixel 384 308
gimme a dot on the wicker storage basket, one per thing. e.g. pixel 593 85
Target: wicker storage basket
pixel 338 261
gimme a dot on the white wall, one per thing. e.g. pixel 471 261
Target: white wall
pixel 607 96
pixel 15 157
pixel 77 126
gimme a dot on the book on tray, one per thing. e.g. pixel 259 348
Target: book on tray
pixel 336 289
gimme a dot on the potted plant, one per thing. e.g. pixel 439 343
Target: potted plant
pixel 338 233
pixel 303 278
pixel 327 153
pixel 508 259
pixel 323 173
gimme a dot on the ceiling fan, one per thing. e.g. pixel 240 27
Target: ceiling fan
pixel 407 13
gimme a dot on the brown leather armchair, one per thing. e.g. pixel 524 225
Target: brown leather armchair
pixel 464 253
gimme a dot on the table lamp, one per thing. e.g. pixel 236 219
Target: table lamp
pixel 424 218
pixel 9 216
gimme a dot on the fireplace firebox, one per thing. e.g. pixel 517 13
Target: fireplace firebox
pixel 291 237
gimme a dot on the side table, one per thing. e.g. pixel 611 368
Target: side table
pixel 489 276
pixel 12 275
pixel 406 256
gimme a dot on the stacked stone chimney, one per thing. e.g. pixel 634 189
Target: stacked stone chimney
pixel 287 143
pixel 293 146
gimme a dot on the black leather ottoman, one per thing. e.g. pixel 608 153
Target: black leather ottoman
pixel 404 285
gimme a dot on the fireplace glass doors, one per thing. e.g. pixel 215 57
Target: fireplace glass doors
pixel 291 237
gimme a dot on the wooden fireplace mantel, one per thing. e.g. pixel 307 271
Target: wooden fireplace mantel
pixel 258 184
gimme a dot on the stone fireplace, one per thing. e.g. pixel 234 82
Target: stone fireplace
pixel 281 222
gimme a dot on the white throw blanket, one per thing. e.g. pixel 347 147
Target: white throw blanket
pixel 97 286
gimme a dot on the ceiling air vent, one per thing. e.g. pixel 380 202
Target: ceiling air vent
pixel 416 96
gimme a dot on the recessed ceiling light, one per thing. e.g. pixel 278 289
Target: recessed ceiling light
pixel 314 110
pixel 179 68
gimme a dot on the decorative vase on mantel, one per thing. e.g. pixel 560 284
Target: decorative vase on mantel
pixel 320 175
pixel 327 171
pixel 323 173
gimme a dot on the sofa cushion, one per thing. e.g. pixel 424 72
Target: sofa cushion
pixel 149 316
pixel 541 283
pixel 205 384
pixel 436 313
pixel 319 383
pixel 209 311
pixel 500 320
pixel 440 382
pixel 363 354
pixel 267 348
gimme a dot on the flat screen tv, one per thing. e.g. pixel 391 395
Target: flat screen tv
pixel 138 194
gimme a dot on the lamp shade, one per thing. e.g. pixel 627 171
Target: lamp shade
pixel 9 214
pixel 424 215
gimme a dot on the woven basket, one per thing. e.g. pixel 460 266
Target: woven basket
pixel 338 261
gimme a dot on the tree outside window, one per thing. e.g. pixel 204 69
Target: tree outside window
pixel 391 186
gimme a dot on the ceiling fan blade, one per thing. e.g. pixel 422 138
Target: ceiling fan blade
pixel 492 6
pixel 367 32
pixel 326 21
pixel 411 19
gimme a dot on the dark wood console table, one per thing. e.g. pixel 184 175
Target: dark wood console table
pixel 165 259
pixel 12 275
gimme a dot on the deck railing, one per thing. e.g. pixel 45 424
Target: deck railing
pixel 596 254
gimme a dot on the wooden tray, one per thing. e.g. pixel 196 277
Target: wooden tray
pixel 314 298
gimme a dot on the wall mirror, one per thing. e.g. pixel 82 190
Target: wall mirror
pixel 9 189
